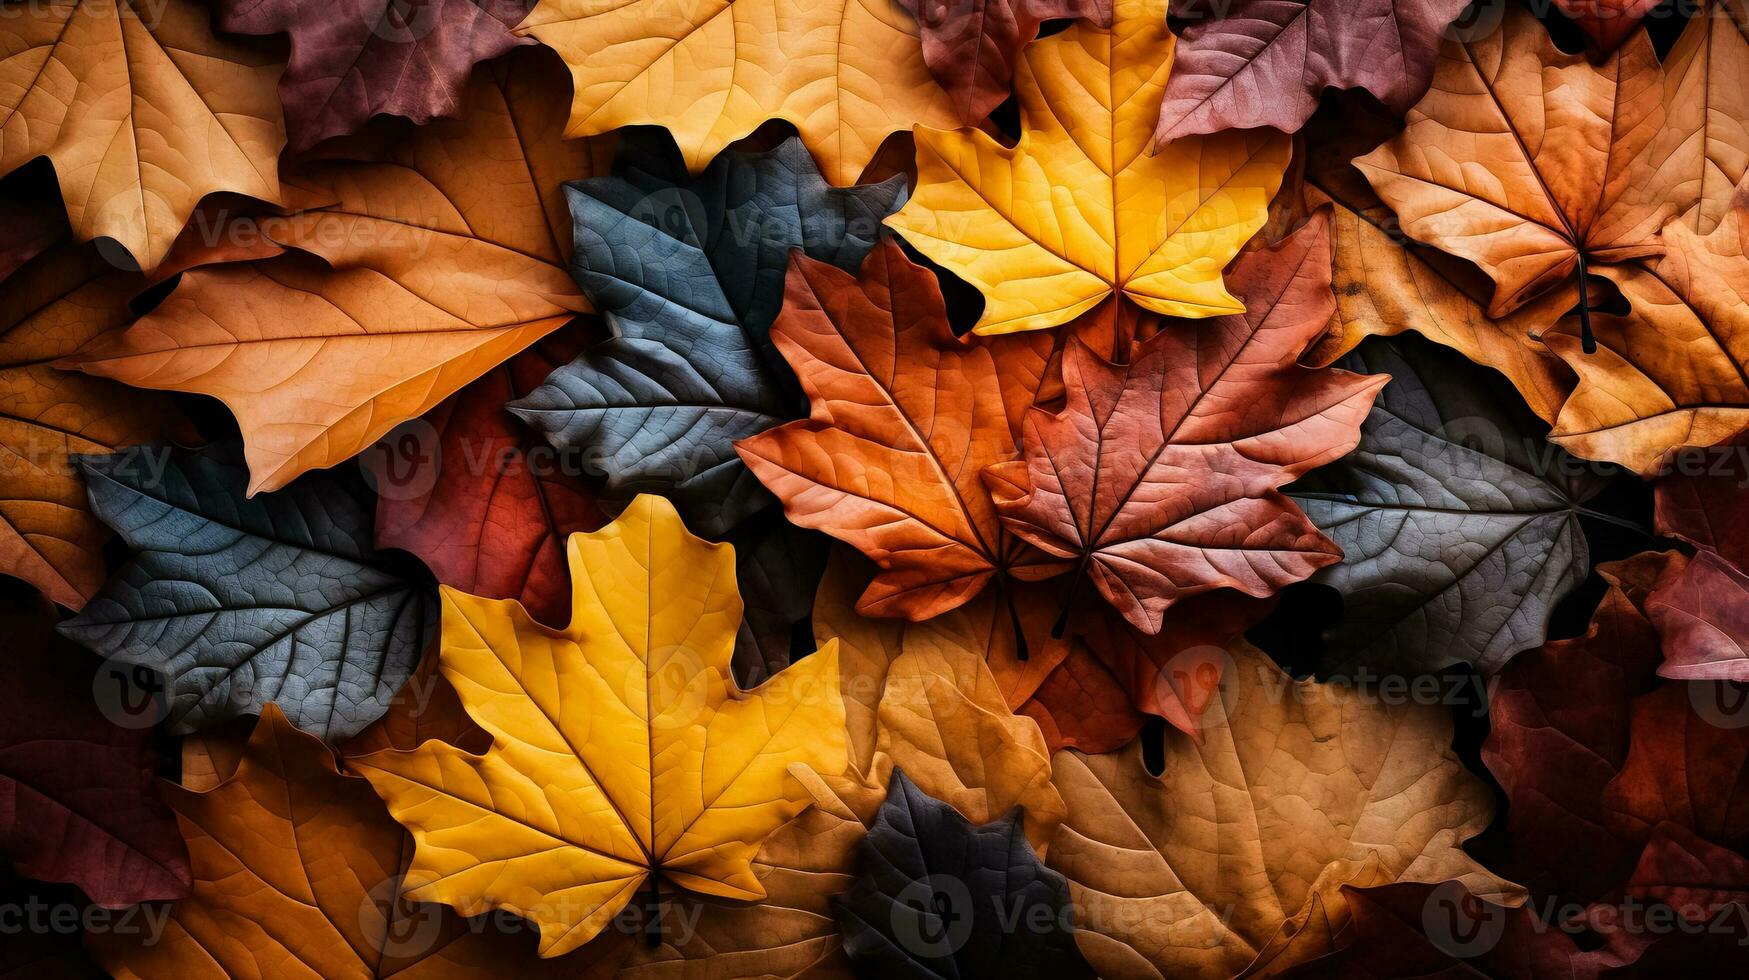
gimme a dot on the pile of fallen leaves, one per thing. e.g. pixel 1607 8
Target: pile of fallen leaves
pixel 928 488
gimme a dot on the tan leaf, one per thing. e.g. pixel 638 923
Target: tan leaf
pixel 60 300
pixel 1222 863
pixel 429 269
pixel 142 110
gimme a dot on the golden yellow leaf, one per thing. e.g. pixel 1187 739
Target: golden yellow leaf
pixel 1078 209
pixel 621 747
pixel 1229 858
pixel 427 270
pixel 847 73
pixel 917 696
pixel 142 110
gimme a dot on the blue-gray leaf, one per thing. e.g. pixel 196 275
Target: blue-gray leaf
pixel 689 274
pixel 1458 520
pixel 239 602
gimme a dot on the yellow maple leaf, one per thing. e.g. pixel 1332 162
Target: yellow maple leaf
pixel 1076 210
pixel 621 747
pixel 847 73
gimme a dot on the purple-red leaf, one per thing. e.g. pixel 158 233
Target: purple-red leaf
pixel 354 59
pixel 1242 64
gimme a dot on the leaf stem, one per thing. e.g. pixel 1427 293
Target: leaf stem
pixel 1020 651
pixel 1598 515
pixel 653 915
pixel 1587 342
pixel 1062 623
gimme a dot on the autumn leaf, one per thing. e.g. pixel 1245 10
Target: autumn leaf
pixel 1094 687
pixel 1559 733
pixel 482 501
pixel 1608 22
pixel 971 46
pixel 1234 858
pixel 1423 929
pixel 1458 522
pixel 1701 609
pixel 78 800
pixel 296 874
pixel 60 300
pixel 846 73
pixel 244 601
pixel 1159 479
pixel 427 270
pixel 919 850
pixel 1670 372
pixel 1685 765
pixel 362 58
pixel 644 662
pixel 1533 163
pixel 142 110
pixel 1706 112
pixel 1155 228
pixel 904 416
pixel 1387 283
pixel 689 274
pixel 1260 63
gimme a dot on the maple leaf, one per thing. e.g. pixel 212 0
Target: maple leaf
pixel 846 73
pixel 1609 22
pixel 971 45
pixel 242 601
pixel 77 795
pixel 59 301
pixel 361 58
pixel 296 874
pixel 1252 63
pixel 689 273
pixel 1388 283
pixel 904 416
pixel 1672 371
pixel 919 845
pixel 142 110
pixel 1458 523
pixel 643 663
pixel 423 272
pixel 1533 163
pixel 1236 855
pixel 1155 228
pixel 1159 477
